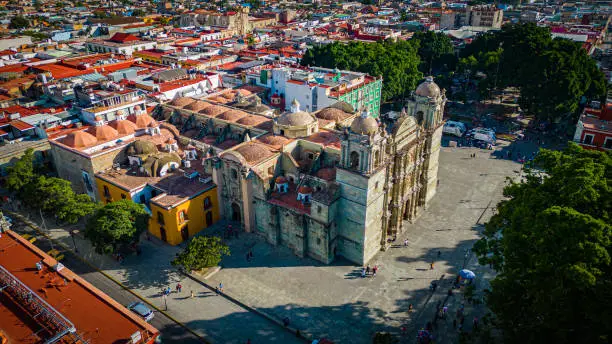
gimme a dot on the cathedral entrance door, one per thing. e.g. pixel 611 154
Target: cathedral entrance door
pixel 235 212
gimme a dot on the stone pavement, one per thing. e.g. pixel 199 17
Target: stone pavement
pixel 335 302
pixel 211 316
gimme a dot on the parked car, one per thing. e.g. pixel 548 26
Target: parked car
pixel 485 135
pixel 454 128
pixel 141 310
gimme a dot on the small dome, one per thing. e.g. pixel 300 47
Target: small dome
pixel 103 132
pixel 332 114
pixel 182 102
pixel 142 147
pixel 254 152
pixel 244 92
pixel 123 127
pixel 232 115
pixel 142 120
pixel 280 180
pixel 218 99
pixel 197 106
pixel 274 140
pixel 299 118
pixel 428 88
pixel 252 120
pixel 213 111
pixel 327 173
pixel 170 141
pixel 80 139
pixel 153 124
pixel 364 125
pixel 228 95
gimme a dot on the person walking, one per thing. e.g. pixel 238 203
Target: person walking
pixel 454 323
pixel 405 242
pixel 431 266
pixel 410 307
pixel 363 272
pixel 220 287
pixel 374 270
pixel 444 311
pixel 179 288
pixel 475 324
pixel 192 295
pixel 368 269
pixel 248 256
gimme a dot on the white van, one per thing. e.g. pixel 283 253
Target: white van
pixel 454 128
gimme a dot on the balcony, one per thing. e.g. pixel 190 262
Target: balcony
pixel 105 108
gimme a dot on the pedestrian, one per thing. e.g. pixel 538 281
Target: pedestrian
pixel 475 323
pixel 220 287
pixel 179 288
pixel 251 254
pixel 374 269
pixel 192 294
pixel 368 269
pixel 431 266
pixel 455 323
pixel 444 311
pixel 405 242
pixel 410 307
pixel 439 254
pixel 363 272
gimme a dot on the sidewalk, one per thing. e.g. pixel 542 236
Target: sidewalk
pixel 211 316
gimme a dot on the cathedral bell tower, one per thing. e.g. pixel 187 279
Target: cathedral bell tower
pixel 427 105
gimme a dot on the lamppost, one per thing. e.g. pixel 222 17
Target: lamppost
pixel 72 235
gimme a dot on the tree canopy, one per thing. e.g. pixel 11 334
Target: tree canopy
pixel 551 243
pixel 552 74
pixel 115 225
pixel 397 62
pixel 21 173
pixel 436 50
pixel 19 22
pixel 202 252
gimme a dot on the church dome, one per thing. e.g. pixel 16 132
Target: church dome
pixel 142 120
pixel 80 139
pixel 182 101
pixel 123 127
pixel 142 147
pixel 103 132
pixel 428 88
pixel 232 115
pixel 197 106
pixel 332 114
pixel 213 111
pixel 296 117
pixel 364 125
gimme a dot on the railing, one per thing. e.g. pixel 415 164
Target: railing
pixel 43 313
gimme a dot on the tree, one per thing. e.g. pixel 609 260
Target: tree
pixel 55 195
pixel 164 20
pixel 551 74
pixel 551 244
pixel 116 225
pixel 396 62
pixel 435 50
pixel 19 22
pixel 22 172
pixel 202 252
pixel 138 13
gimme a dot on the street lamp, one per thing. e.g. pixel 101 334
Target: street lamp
pixel 72 235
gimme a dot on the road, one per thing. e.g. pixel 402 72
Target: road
pixel 171 332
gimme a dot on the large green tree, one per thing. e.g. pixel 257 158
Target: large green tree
pixel 551 74
pixel 116 225
pixel 22 172
pixel 19 22
pixel 551 244
pixel 436 51
pixel 55 195
pixel 202 252
pixel 396 62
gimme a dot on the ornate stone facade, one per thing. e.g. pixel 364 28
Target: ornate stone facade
pixel 326 192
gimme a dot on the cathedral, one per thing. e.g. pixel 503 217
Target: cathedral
pixel 334 182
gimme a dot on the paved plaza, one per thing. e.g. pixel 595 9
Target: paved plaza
pixel 334 301
pixel 331 300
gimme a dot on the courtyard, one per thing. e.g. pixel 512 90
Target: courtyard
pixel 333 301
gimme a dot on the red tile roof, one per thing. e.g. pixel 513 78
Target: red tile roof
pixel 122 37
pixel 97 318
pixel 20 125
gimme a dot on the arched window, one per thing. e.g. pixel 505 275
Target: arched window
pixel 354 160
pixel 419 116
pixel 234 174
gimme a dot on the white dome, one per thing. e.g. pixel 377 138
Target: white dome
pixel 428 88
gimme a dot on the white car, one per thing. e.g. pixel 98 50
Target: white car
pixel 454 128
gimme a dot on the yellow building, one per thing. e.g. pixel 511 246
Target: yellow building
pixel 181 204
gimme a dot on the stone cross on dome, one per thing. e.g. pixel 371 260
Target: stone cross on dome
pixel 99 121
pixel 365 113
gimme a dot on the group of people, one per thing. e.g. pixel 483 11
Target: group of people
pixel 365 271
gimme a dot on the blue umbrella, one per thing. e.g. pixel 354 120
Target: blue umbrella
pixel 467 274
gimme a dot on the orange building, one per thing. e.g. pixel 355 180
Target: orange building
pixel 41 301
